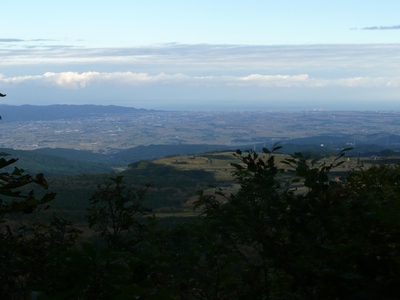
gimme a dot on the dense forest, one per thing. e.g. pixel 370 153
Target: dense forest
pixel 293 232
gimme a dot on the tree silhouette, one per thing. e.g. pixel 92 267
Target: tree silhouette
pixel 2 95
pixel 299 234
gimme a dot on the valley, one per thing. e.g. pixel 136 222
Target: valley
pixel 178 153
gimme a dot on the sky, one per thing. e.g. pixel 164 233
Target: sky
pixel 202 55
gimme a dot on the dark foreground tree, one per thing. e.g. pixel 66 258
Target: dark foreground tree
pixel 24 248
pixel 300 234
pixel 117 214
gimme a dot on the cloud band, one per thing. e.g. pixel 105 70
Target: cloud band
pixel 75 80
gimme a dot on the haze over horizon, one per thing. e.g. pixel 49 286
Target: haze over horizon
pixel 213 55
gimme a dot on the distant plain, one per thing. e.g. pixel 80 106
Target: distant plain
pixel 109 129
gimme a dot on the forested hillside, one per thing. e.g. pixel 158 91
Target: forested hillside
pixel 169 188
pixel 52 165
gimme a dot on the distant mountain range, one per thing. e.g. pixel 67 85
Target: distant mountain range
pixel 62 111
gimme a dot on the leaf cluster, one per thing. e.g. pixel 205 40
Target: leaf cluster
pixel 113 213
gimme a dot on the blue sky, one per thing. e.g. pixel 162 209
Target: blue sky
pixel 202 54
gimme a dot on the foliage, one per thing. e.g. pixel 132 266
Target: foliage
pixel 13 201
pixel 308 236
pixel 23 250
pixel 113 214
pixel 292 231
pixel 31 257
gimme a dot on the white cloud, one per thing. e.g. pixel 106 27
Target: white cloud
pixel 366 82
pixel 19 79
pixel 70 80
pixel 75 80
pixel 272 80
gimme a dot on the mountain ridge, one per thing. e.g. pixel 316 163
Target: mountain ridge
pixel 29 112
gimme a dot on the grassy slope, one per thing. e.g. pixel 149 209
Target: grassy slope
pixel 175 180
